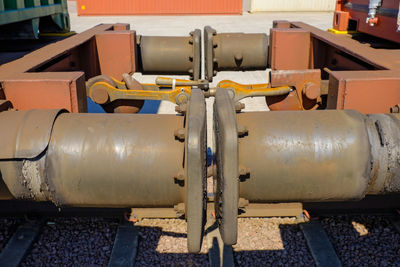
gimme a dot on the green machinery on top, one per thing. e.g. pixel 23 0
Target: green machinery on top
pixel 24 19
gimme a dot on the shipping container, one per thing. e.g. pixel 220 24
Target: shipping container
pixel 292 5
pixel 158 7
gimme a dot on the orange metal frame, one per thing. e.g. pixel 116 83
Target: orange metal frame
pixel 53 77
pixel 360 77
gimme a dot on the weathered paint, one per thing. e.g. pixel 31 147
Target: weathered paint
pixel 158 7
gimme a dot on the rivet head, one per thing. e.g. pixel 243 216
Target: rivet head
pixel 180 133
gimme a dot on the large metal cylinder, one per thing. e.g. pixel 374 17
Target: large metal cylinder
pixel 318 155
pixel 241 51
pixel 104 161
pixel 310 156
pixel 132 160
pixel 234 51
pixel 172 55
pixel 300 156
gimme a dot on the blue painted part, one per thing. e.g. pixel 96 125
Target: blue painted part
pixel 210 156
pixel 94 107
pixel 150 107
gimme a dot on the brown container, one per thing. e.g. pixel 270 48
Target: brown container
pixel 158 7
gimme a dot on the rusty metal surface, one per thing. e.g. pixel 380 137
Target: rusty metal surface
pixel 234 51
pixel 171 55
pixel 58 71
pixel 361 77
pixel 25 84
pixel 290 49
pixel 52 90
pixel 34 60
pixel 365 91
pixel 378 58
pixel 385 139
pixel 25 134
pixel 307 85
pixel 116 52
pixel 196 169
pixel 226 183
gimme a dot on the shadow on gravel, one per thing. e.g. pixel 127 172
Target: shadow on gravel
pixel 364 240
pixel 153 252
pixel 294 253
pixel 73 242
pixel 7 228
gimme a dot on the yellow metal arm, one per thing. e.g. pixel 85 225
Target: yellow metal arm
pixel 177 91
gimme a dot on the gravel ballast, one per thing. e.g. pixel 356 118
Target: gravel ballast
pixel 358 241
pixel 73 242
pixel 364 240
pixel 7 228
pixel 163 243
pixel 271 242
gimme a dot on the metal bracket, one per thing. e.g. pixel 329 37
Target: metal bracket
pixel 227 178
pixel 307 94
pixel 196 169
pixel 209 52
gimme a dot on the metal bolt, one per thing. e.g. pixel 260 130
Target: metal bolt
pixel 243 203
pixel 311 90
pixel 181 108
pixel 215 44
pixel 243 170
pixel 239 106
pixel 190 41
pixel 182 98
pixel 191 33
pixel 238 56
pixel 242 130
pixel 180 179
pixel 99 95
pixel 180 134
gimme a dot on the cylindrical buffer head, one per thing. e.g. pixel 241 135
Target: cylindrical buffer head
pixel 95 160
pixel 299 156
pixel 172 55
pixel 234 51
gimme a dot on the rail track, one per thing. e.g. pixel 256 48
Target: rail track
pixel 40 236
